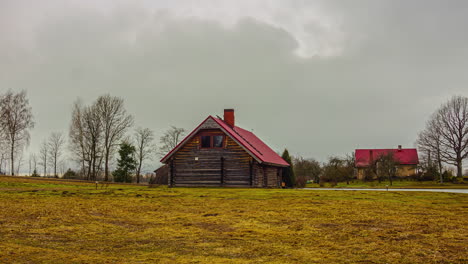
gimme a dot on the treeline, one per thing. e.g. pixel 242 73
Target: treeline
pixel 97 132
pixel 342 169
pixel 302 171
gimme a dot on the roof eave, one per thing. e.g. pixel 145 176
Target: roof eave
pixel 276 165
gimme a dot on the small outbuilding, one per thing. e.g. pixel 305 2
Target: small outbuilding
pixel 219 153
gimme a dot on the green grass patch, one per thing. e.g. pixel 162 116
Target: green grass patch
pixel 72 222
pixel 406 184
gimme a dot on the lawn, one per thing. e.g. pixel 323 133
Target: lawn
pixel 406 184
pixel 47 221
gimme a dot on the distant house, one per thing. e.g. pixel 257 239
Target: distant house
pixel 219 153
pixel 406 158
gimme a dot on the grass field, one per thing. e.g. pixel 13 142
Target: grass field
pixel 395 184
pixel 46 221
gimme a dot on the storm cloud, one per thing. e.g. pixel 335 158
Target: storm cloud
pixel 318 77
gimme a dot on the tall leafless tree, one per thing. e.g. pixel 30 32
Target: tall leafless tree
pixel 43 156
pixel 429 144
pixel 144 147
pixel 93 131
pixel 170 139
pixel 55 143
pixel 16 119
pixel 451 122
pixel 115 122
pixel 77 145
pixel 445 137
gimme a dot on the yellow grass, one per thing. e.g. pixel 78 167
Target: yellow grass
pixel 61 222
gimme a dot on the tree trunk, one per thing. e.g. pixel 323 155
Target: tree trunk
pixel 459 168
pixel 55 167
pixel 83 169
pixel 90 164
pixel 12 158
pixel 106 169
pixel 138 172
pixel 93 172
pixel 439 161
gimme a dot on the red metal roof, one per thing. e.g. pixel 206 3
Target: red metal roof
pixel 403 156
pixel 251 143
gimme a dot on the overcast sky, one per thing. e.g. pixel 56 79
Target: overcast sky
pixel 318 77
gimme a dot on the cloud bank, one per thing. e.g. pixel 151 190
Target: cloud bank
pixel 318 77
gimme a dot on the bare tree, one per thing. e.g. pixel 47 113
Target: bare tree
pixel 33 162
pixel 451 122
pixel 76 136
pixel 43 156
pixel 115 122
pixel 308 169
pixel 16 119
pixel 170 139
pixel 387 166
pixel 55 147
pixel 62 166
pixel 429 143
pixel 19 163
pixel 3 152
pixel 92 127
pixel 144 147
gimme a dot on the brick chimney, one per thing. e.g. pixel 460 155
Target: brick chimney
pixel 229 117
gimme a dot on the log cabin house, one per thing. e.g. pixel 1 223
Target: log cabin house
pixel 406 158
pixel 219 153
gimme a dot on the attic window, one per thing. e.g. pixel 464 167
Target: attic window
pixel 211 141
pixel 217 141
pixel 206 142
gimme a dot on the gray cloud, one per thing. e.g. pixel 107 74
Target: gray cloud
pixel 366 74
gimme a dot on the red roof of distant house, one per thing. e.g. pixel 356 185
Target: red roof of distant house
pixel 403 156
pixel 246 139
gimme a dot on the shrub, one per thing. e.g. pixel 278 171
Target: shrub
pixel 70 174
pixel 301 182
pixel 34 174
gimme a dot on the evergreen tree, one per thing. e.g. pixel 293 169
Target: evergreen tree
pixel 126 164
pixel 288 173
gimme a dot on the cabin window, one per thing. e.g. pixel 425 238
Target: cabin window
pixel 217 141
pixel 205 141
pixel 212 141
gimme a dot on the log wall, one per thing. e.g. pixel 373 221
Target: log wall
pixel 266 176
pixel 195 166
